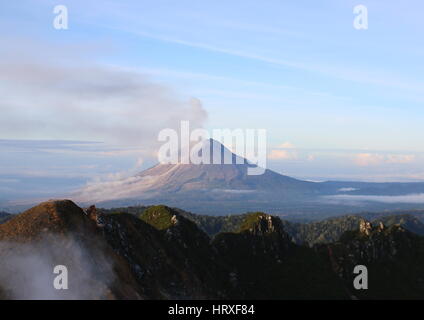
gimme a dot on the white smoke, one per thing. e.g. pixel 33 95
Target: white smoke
pixel 26 270
pixel 52 94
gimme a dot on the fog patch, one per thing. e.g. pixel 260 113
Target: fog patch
pixel 347 189
pixel 343 198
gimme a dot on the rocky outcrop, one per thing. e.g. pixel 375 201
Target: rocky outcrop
pixel 365 227
pixel 170 256
pixel 394 258
pixel 266 264
pixel 95 215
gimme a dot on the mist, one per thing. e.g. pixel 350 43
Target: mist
pixel 26 270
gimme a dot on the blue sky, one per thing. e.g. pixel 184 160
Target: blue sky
pixel 337 102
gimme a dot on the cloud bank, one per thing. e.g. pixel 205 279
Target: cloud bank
pixel 409 198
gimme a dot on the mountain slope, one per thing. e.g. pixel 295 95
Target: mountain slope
pixel 60 233
pixel 169 256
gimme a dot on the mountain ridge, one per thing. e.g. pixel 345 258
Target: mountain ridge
pixel 158 253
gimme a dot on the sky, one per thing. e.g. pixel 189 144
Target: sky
pixel 337 102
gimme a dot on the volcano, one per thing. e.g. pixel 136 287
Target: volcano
pixel 221 188
pixel 201 182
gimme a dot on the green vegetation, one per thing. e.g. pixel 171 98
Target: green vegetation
pixel 250 220
pixel 159 217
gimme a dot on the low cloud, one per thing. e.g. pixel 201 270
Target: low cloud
pixel 400 158
pixel 285 151
pixel 282 155
pixel 409 198
pixel 234 191
pixel 286 145
pixel 374 159
pixel 347 189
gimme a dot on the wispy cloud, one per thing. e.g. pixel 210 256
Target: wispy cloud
pixel 363 76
